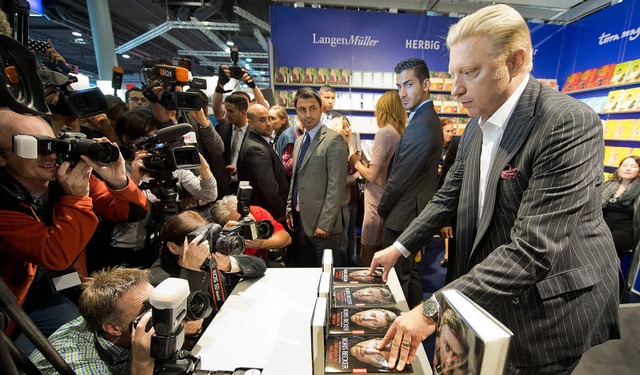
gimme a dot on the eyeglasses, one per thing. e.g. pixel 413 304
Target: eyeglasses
pixel 139 100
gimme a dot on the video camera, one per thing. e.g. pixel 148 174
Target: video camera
pixel 247 228
pixel 69 146
pixel 169 77
pixel 167 151
pixel 171 303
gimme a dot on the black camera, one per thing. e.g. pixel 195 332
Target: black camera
pixel 247 228
pixel 169 77
pixel 167 151
pixel 69 147
pixel 224 241
pixel 236 71
pixel 171 303
pixel 81 104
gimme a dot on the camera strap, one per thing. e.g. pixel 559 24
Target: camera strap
pixel 217 287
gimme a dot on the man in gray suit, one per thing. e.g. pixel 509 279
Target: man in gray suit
pixel 532 246
pixel 319 177
pixel 413 172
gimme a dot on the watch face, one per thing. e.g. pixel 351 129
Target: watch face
pixel 430 308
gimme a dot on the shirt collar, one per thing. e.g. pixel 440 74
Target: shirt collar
pixel 416 110
pixel 502 115
pixel 312 132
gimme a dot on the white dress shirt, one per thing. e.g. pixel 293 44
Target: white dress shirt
pixel 236 149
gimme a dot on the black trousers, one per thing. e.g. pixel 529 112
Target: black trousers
pixel 407 271
pixel 310 249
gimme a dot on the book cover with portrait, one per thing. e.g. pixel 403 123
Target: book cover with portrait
pixel 633 75
pixel 613 99
pixel 620 73
pixel 345 78
pixel 282 74
pixel 469 340
pixel 624 129
pixel 334 76
pixel 361 321
pixel 358 355
pixel 322 76
pixel 295 74
pixel 571 83
pixel 585 78
pixel 363 296
pixel 603 76
pixel 357 275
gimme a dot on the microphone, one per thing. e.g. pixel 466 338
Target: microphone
pixel 172 132
pixel 173 73
pixel 116 78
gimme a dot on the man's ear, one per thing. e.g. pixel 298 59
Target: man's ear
pixel 517 61
pixel 425 85
pixel 112 329
pixel 173 247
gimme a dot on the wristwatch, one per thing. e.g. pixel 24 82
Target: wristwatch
pixel 430 309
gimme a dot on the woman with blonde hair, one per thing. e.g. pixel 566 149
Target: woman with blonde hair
pixel 391 118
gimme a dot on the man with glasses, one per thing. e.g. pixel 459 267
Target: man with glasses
pixel 135 98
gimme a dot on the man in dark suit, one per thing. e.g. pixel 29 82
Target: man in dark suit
pixel 314 206
pixel 259 164
pixel 413 172
pixel 328 97
pixel 233 133
pixel 532 246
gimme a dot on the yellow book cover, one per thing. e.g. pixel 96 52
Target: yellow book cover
pixel 635 134
pixel 624 129
pixel 436 81
pixel 617 154
pixel 634 72
pixel 636 152
pixel 609 128
pixel 619 73
pixel 612 100
pixel 629 100
pixel 607 154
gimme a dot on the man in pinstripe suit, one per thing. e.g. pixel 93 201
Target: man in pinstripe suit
pixel 532 246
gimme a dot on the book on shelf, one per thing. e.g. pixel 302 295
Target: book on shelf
pixel 357 275
pixel 624 130
pixel 616 155
pixel 378 79
pixel 389 80
pixel 603 76
pixel 634 72
pixel 367 79
pixel 282 74
pixel 607 155
pixel 609 129
pixel 448 82
pixel 630 100
pixel 585 79
pixel 322 76
pixel 334 76
pixel 345 78
pixel 635 134
pixel 572 82
pixel 436 81
pixel 295 74
pixel 361 321
pixel 282 98
pixel 358 355
pixel 309 76
pixel 613 100
pixel 363 296
pixel 469 340
pixel 619 73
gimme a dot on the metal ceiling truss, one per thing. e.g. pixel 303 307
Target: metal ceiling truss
pixel 190 52
pixel 251 18
pixel 260 39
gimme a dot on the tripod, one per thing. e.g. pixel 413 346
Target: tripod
pixel 165 188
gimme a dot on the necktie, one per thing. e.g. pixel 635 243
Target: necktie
pixel 234 145
pixel 303 151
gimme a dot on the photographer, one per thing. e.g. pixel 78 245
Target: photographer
pixel 102 340
pixel 48 212
pixel 182 258
pixel 127 239
pixel 224 76
pixel 225 212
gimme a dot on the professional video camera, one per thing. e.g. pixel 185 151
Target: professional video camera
pixel 171 303
pixel 68 147
pixel 169 77
pixel 167 151
pixel 247 228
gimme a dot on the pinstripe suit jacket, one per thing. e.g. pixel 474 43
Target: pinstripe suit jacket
pixel 541 259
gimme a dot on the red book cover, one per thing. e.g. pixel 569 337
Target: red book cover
pixel 585 78
pixel 603 76
pixel 571 83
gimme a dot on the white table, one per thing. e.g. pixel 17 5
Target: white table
pixel 265 323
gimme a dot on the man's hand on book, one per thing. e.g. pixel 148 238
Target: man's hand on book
pixel 386 258
pixel 406 334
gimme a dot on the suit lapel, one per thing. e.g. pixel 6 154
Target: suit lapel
pixel 314 144
pixel 516 132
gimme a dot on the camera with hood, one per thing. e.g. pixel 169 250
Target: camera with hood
pixel 169 77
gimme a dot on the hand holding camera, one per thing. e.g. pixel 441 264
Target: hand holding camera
pixel 74 181
pixel 195 253
pixel 141 361
pixel 114 173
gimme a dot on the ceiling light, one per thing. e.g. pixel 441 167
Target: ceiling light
pixel 248 59
pixel 230 43
pixel 80 41
pixel 75 33
pixel 125 56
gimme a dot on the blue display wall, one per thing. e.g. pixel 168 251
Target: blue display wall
pixel 377 41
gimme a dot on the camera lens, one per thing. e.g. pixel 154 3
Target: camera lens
pixel 264 229
pixel 236 72
pixel 104 152
pixel 198 306
pixel 230 244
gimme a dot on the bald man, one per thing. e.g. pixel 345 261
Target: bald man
pixel 259 164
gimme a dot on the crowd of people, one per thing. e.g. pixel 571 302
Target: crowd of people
pixel 517 196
